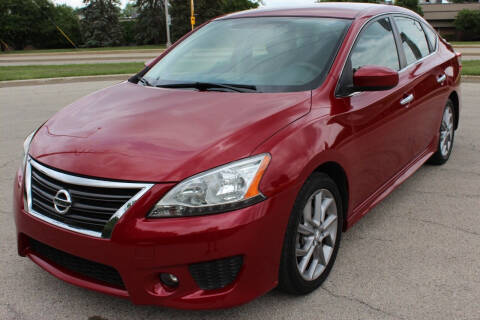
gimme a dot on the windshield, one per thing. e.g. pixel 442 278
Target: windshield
pixel 272 54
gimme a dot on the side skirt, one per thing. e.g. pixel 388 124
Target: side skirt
pixel 390 185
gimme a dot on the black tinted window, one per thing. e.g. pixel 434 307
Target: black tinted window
pixel 413 38
pixel 431 36
pixel 376 46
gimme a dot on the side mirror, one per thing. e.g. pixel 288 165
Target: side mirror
pixel 374 78
pixel 148 62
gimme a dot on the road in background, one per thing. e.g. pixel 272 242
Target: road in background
pixel 415 256
pixel 140 55
pixel 469 52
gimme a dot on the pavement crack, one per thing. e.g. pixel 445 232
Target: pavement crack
pixel 446 226
pixel 373 238
pixel 369 306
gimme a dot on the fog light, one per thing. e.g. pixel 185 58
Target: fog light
pixel 170 280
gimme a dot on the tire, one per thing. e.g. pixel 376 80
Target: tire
pixel 318 188
pixel 447 135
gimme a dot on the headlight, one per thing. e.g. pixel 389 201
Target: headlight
pixel 225 188
pixel 26 146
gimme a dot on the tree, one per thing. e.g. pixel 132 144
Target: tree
pixel 150 22
pixel 33 23
pixel 410 4
pixel 100 24
pixel 204 11
pixel 66 18
pixel 468 21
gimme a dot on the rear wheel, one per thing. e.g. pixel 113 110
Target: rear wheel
pixel 447 134
pixel 313 236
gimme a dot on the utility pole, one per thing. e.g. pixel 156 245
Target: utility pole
pixel 192 14
pixel 167 21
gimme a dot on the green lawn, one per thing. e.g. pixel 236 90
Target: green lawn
pixel 471 67
pixel 86 49
pixel 68 70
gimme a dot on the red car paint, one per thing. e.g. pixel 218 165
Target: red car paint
pixel 374 77
pixel 171 135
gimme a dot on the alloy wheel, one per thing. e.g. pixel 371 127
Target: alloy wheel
pixel 316 234
pixel 446 132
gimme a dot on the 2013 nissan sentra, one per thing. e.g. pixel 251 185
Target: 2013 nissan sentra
pixel 234 161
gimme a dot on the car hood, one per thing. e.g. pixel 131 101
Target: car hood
pixel 131 132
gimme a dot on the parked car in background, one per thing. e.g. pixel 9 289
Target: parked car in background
pixel 233 162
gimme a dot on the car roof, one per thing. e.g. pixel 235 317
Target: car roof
pixel 331 9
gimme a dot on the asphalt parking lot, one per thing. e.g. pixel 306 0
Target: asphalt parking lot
pixel 415 256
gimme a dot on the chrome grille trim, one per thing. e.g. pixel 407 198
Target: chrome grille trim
pixel 86 182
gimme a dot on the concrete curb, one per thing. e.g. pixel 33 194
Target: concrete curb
pixel 40 82
pixel 115 77
pixel 475 79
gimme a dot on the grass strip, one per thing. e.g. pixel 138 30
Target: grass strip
pixel 67 70
pixel 471 67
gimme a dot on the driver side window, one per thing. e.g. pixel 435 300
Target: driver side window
pixel 375 45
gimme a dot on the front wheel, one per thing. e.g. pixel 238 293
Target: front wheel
pixel 447 134
pixel 313 236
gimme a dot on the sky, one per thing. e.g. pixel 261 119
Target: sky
pixel 268 3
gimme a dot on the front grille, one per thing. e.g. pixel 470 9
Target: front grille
pixel 91 207
pixel 93 270
pixel 216 274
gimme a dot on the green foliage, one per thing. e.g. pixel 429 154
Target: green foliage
pixel 32 23
pixel 150 26
pixel 468 21
pixel 128 31
pixel 66 18
pixel 410 4
pixel 204 11
pixel 100 25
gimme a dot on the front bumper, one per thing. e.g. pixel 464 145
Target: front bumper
pixel 141 249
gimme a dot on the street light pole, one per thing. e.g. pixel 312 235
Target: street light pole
pixel 167 22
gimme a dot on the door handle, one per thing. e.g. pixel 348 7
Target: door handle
pixel 406 100
pixel 442 78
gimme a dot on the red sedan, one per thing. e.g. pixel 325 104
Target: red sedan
pixel 233 162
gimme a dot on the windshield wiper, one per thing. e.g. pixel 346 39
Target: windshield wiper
pixel 144 81
pixel 204 86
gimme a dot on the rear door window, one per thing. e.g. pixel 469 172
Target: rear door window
pixel 414 41
pixel 431 36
